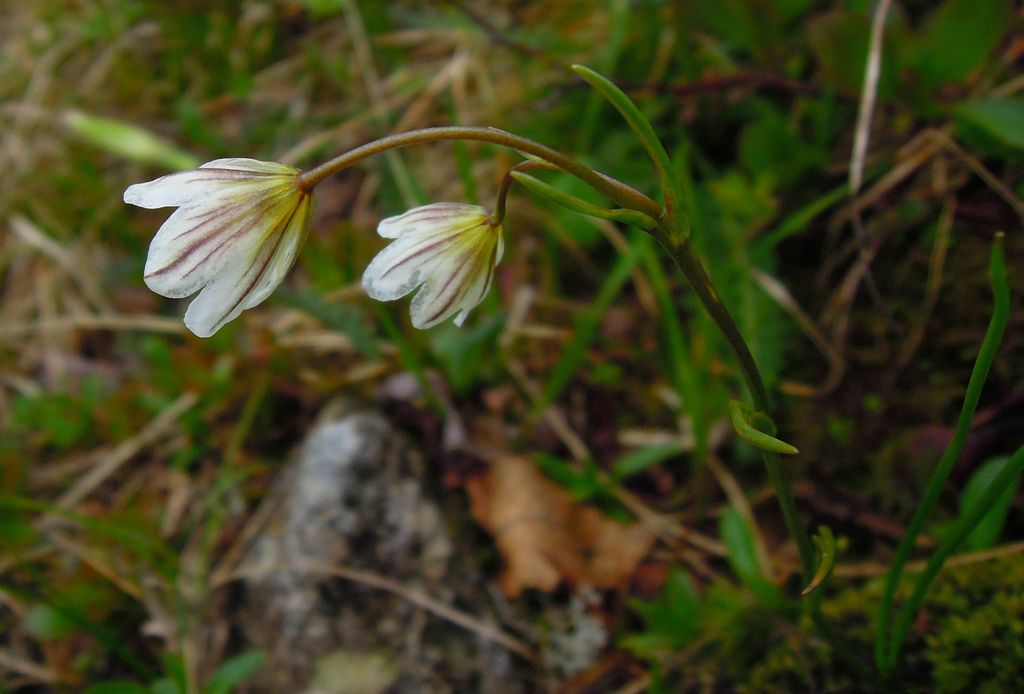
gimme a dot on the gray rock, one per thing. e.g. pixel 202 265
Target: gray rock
pixel 357 496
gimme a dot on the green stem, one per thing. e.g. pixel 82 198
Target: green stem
pixel 682 253
pixel 501 198
pixel 886 654
pixel 686 259
pixel 679 230
pixel 957 534
pixel 571 202
pixel 622 194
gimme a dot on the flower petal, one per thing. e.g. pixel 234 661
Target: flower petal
pixel 449 250
pixel 430 218
pixel 405 264
pixel 248 281
pixel 211 182
pixel 251 166
pixel 195 243
pixel 476 290
pixel 294 235
pixel 457 284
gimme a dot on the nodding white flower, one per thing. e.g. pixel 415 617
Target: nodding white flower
pixel 236 232
pixel 448 248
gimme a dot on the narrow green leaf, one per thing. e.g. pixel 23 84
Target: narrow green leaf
pixel 987 531
pixel 999 117
pixel 755 437
pixel 145 545
pixel 583 479
pixel 618 28
pixel 127 141
pixel 799 220
pixel 643 458
pixel 571 202
pixel 234 671
pixel 738 538
pixel 648 138
pixel 957 534
pixel 886 653
pixel 825 543
pixel 686 374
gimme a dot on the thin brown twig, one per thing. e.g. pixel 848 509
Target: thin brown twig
pixel 373 580
pixel 91 558
pixel 910 157
pixel 26 668
pixel 738 500
pixel 156 324
pixel 935 267
pixel 124 452
pixel 838 310
pixel 974 164
pixel 836 364
pixel 869 92
pixel 872 569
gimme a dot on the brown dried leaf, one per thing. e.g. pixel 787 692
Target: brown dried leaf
pixel 545 536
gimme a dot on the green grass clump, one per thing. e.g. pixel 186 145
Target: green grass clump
pixel 969 636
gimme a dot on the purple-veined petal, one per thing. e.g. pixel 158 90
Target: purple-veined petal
pixel 284 258
pixel 457 285
pixel 448 250
pixel 195 243
pixel 251 166
pixel 239 226
pixel 477 287
pixel 199 188
pixel 246 282
pixel 403 266
pixel 429 218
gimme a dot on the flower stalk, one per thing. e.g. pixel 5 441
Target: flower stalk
pixel 683 255
pixel 622 194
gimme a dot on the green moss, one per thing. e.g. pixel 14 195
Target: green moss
pixel 968 637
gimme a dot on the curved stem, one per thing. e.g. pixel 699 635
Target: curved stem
pixel 886 653
pixel 682 253
pixel 957 534
pixel 507 180
pixel 622 194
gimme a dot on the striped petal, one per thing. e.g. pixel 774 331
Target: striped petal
pixel 210 183
pixel 237 230
pixel 196 242
pixel 429 218
pixel 447 249
pixel 248 282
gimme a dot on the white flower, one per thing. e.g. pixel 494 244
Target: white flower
pixel 448 248
pixel 236 232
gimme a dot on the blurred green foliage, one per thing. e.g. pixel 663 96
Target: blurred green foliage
pixel 756 101
pixel 974 617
